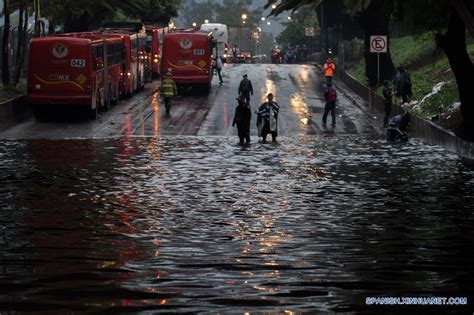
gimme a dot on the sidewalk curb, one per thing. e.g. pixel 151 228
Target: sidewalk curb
pixel 14 110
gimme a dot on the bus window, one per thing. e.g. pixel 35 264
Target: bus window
pixel 160 37
pixel 98 57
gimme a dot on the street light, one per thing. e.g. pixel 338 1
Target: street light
pixel 243 17
pixel 206 21
pixel 194 24
pixel 260 29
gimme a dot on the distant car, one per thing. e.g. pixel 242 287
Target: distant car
pixel 259 58
pixel 244 57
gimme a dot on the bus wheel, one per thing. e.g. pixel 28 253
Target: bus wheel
pixel 116 96
pixel 39 114
pixel 205 89
pixel 94 113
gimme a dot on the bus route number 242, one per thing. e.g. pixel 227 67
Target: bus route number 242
pixel 78 63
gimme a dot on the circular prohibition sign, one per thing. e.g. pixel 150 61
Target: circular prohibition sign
pixel 378 44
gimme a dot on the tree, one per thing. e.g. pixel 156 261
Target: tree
pixel 5 44
pixel 83 15
pixel 193 12
pixel 37 9
pixel 21 41
pixel 445 18
pixel 294 33
pixel 230 13
pixel 374 17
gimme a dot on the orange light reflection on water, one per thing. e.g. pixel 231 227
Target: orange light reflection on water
pixel 156 110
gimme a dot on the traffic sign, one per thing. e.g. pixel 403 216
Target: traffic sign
pixel 309 31
pixel 378 44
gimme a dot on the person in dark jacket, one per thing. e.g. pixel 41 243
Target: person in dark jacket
pixel 387 102
pixel 402 84
pixel 246 88
pixel 330 95
pixel 267 119
pixel 398 126
pixel 242 120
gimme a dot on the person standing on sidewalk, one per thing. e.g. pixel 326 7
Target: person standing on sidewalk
pixel 168 91
pixel 402 84
pixel 330 96
pixel 387 102
pixel 219 67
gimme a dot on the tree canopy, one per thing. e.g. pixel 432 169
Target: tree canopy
pixel 294 32
pixel 81 15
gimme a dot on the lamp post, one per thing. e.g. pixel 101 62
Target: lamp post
pixel 244 18
pixel 262 19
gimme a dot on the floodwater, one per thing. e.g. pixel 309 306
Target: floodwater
pixel 197 224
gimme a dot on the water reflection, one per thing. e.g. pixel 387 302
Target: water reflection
pixel 197 224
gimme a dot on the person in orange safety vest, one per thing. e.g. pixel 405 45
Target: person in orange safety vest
pixel 329 68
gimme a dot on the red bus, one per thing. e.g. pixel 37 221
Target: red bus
pixel 154 40
pixel 65 71
pixel 114 62
pixel 187 54
pixel 135 59
pixel 135 42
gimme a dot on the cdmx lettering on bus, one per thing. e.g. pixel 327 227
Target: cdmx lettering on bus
pixel 58 77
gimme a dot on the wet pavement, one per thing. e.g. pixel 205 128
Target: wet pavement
pixel 165 217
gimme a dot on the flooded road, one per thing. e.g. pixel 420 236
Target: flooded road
pixel 166 217
pixel 297 88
